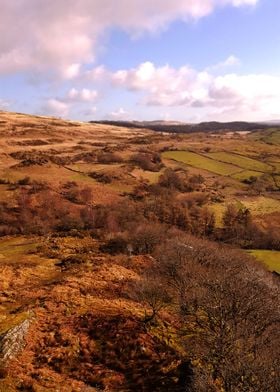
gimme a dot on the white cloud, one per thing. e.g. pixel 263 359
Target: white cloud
pixel 230 61
pixel 72 71
pixel 251 96
pixel 165 86
pixel 61 106
pixel 56 108
pixel 120 114
pixel 47 36
pixel 4 104
pixel 84 95
pixel 96 74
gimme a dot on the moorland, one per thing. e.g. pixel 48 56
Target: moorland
pixel 138 260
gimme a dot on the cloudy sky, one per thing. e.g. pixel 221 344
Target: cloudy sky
pixel 188 60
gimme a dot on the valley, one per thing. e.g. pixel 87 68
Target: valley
pixel 117 247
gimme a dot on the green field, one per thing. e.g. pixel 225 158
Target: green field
pixel 241 161
pixel 270 258
pixel 270 136
pixel 246 174
pixel 273 137
pixel 202 162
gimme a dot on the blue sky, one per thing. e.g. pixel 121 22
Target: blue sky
pixel 182 60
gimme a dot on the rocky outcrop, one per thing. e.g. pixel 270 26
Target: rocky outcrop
pixel 13 341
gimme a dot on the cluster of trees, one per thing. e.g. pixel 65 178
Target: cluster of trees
pixel 38 213
pixel 147 161
pixel 180 181
pixel 169 203
pixel 227 308
pixel 239 228
pixel 263 183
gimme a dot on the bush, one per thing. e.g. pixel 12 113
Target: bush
pixel 24 181
pixel 109 157
pixel 172 180
pixel 114 246
pixel 147 161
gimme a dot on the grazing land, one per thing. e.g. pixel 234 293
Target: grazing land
pixel 269 257
pixel 202 162
pixel 241 161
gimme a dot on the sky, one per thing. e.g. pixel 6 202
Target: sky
pixel 183 60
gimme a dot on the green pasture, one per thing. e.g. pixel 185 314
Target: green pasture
pixel 202 162
pixel 241 161
pixel 271 258
pixel 246 174
pixel 270 136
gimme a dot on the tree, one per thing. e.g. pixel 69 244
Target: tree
pixel 153 294
pixel 234 329
pixel 229 310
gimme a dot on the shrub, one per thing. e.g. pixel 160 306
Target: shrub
pixel 24 181
pixel 115 246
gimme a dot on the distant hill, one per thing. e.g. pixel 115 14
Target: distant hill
pixel 274 123
pixel 177 127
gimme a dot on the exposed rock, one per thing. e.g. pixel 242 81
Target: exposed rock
pixel 13 341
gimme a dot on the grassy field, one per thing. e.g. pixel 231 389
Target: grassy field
pixel 270 258
pixel 273 137
pixel 202 162
pixel 241 161
pixel 246 174
pixel 258 206
pixel 270 136
pixel 261 205
pixel 15 247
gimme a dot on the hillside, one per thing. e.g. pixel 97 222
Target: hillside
pixel 132 260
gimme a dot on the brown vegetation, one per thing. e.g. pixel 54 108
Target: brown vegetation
pixel 129 283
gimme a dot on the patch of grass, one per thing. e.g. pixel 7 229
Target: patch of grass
pixel 273 137
pixel 16 246
pixel 88 167
pixel 218 210
pixel 8 322
pixel 271 258
pixel 269 136
pixel 246 174
pixel 241 161
pixel 119 187
pixel 202 162
pixel 82 178
pixel 152 177
pixel 259 205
